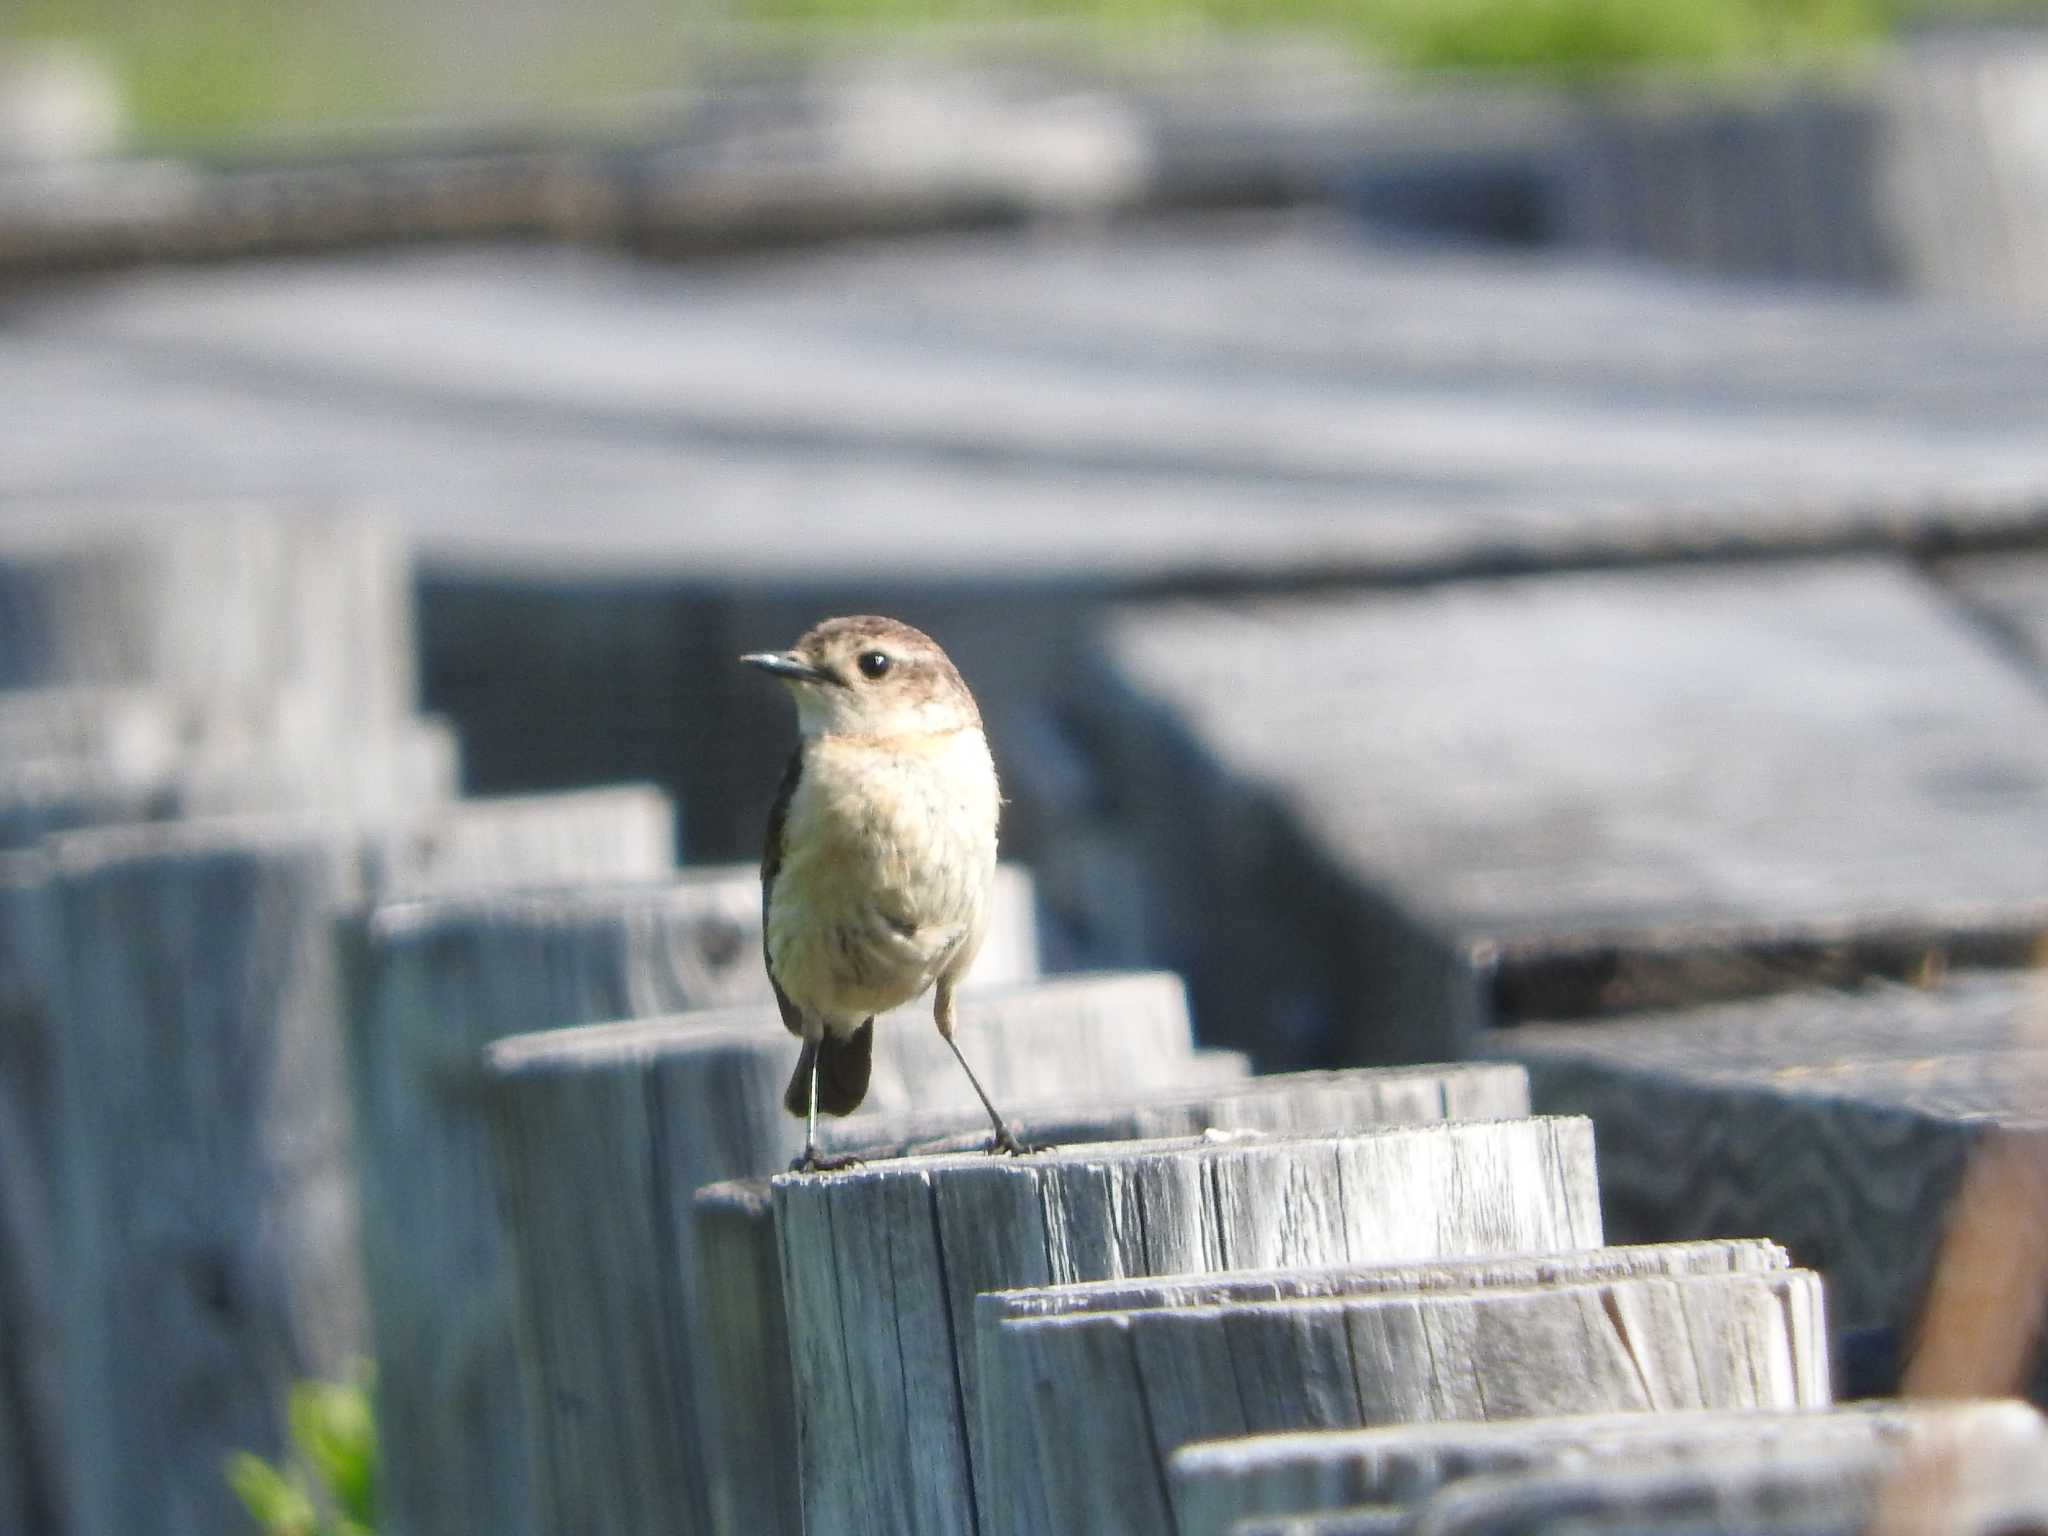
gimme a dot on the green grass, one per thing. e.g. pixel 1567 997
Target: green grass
pixel 201 71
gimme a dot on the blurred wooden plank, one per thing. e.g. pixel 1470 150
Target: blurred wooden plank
pixel 2010 591
pixel 235 600
pixel 1220 1485
pixel 1839 1122
pixel 160 761
pixel 1525 797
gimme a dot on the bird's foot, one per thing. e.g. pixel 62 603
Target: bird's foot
pixel 811 1160
pixel 1005 1140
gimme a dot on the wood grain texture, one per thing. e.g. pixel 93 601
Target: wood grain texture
pixel 1081 1394
pixel 610 1316
pixel 881 1265
pixel 208 1221
pixel 431 984
pixel 1012 1462
pixel 1230 1100
pixel 743 1284
pixel 1837 1122
pixel 1560 849
pixel 234 1191
pixel 1223 1484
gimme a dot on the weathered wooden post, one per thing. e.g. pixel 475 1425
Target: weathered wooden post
pixel 431 985
pixel 1018 1471
pixel 881 1265
pixel 78 757
pixel 1083 1408
pixel 650 1112
pixel 181 982
pixel 208 1247
pixel 224 603
pixel 744 1378
pixel 1224 1486
pixel 28 1355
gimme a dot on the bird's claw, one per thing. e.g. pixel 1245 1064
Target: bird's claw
pixel 811 1160
pixel 1005 1140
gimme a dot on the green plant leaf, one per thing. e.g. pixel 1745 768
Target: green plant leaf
pixel 278 1503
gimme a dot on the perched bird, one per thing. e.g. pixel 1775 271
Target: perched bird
pixel 881 858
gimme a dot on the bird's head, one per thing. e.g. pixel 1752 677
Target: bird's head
pixel 870 677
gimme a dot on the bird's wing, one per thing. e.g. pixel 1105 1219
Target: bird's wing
pixel 771 866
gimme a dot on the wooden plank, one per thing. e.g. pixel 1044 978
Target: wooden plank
pixel 2008 590
pixel 1389 1355
pixel 608 1304
pixel 1220 1485
pixel 1405 876
pixel 1838 1122
pixel 167 760
pixel 431 985
pixel 743 1382
pixel 1219 1096
pixel 237 1159
pixel 29 1382
pixel 208 1228
pixel 754 1388
pixel 1103 1211
pixel 226 601
pixel 1957 1488
pixel 1416 408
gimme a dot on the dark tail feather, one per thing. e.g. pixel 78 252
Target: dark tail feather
pixel 843 1068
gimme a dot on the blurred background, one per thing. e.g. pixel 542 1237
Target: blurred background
pixel 1507 527
pixel 212 73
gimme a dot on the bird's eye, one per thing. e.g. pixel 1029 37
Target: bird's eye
pixel 873 664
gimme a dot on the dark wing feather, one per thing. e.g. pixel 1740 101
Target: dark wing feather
pixel 771 866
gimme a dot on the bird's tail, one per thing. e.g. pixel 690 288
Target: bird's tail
pixel 843 1068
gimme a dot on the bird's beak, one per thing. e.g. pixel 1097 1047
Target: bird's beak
pixel 788 666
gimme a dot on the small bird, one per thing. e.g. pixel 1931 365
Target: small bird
pixel 881 857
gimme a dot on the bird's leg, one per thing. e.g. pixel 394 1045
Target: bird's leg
pixel 812 1160
pixel 942 1014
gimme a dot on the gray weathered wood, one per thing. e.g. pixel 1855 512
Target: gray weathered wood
pixel 1101 1109
pixel 756 1417
pixel 208 1233
pixel 2010 590
pixel 1222 1483
pixel 432 984
pixel 1544 851
pixel 1009 1462
pixel 155 759
pixel 1839 1122
pixel 610 1321
pixel 28 1231
pixel 1963 1489
pixel 1099 1401
pixel 220 602
pixel 881 1265
pixel 216 1178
